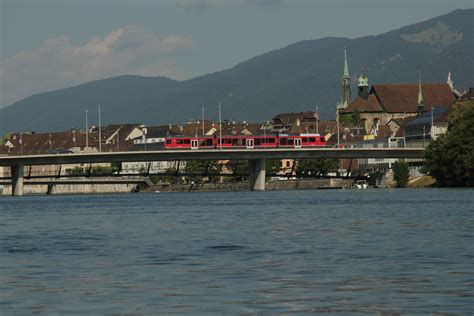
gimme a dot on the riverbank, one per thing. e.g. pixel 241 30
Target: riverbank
pixel 299 184
pixel 123 185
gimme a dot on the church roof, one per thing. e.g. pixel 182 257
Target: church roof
pixel 398 98
pixel 363 105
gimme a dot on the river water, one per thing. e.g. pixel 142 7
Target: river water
pixel 338 252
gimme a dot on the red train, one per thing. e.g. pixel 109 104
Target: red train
pixel 245 141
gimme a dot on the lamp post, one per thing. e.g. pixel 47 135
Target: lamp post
pixel 317 119
pixel 203 109
pixel 424 135
pixel 50 144
pixel 337 123
pixel 144 130
pixel 220 127
pixel 432 123
pixel 100 132
pixel 87 128
pixel 21 144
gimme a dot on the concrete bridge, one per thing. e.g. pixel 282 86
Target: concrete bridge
pixel 256 158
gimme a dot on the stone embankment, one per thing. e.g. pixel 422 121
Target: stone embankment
pixel 114 185
pixel 301 184
pixel 97 185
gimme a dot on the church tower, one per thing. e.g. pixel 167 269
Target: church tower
pixel 363 86
pixel 346 84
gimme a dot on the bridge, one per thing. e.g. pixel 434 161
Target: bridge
pixel 256 158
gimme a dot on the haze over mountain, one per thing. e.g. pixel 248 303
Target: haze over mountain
pixel 290 79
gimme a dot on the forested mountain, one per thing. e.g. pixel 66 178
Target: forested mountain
pixel 290 79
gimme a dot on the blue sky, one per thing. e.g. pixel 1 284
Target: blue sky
pixel 47 45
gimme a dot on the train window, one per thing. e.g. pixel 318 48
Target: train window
pixel 305 139
pixel 258 141
pixel 187 141
pixel 179 141
pixel 311 139
pixel 168 141
pixel 271 140
pixel 291 141
pixel 283 141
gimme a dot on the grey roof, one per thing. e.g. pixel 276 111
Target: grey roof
pixel 425 118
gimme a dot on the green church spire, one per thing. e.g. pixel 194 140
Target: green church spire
pixel 346 68
pixel 346 84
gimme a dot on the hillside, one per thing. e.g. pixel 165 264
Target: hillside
pixel 289 79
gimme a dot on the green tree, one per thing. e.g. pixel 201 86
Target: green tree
pixel 450 158
pixel 316 167
pixel 272 166
pixel 201 168
pixel 240 167
pixel 356 118
pixel 351 120
pixel 103 171
pixel 77 171
pixel 401 173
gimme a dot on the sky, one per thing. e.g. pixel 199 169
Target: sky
pixel 52 44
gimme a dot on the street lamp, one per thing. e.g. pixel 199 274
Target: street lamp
pixel 87 129
pixel 203 109
pixel 220 127
pixel 144 130
pixel 337 123
pixel 317 119
pixel 100 132
pixel 432 123
pixel 21 144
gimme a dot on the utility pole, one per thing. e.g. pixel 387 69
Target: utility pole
pixel 432 123
pixel 317 119
pixel 100 132
pixel 21 144
pixel 220 127
pixel 74 137
pixel 203 109
pixel 50 144
pixel 424 135
pixel 337 123
pixel 144 131
pixel 87 129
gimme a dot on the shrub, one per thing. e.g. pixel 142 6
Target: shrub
pixel 401 173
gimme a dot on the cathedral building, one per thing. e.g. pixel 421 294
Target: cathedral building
pixel 390 104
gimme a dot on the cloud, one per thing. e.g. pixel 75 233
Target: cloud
pixel 57 63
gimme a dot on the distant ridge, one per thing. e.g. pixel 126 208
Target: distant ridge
pixel 290 79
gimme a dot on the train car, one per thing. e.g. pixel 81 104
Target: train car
pixel 247 141
pixel 185 142
pixel 301 141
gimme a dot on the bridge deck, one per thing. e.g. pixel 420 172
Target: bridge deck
pixel 224 154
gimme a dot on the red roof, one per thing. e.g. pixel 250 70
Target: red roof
pixel 363 105
pixel 399 98
pixel 384 131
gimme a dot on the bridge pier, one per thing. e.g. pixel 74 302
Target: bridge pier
pixel 17 172
pixel 257 174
